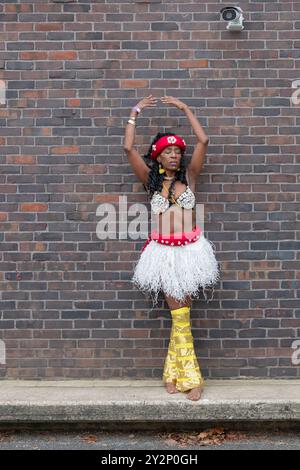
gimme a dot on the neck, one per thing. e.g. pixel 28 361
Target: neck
pixel 169 175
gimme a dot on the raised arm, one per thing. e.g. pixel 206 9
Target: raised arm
pixel 139 166
pixel 197 160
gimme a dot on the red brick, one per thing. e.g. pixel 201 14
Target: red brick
pixel 102 198
pixel 74 102
pixel 63 55
pixel 22 8
pixel 134 84
pixel 49 27
pixel 21 160
pixel 33 207
pixel 193 63
pixel 36 55
pixel 64 150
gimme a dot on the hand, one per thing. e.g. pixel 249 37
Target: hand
pixel 171 100
pixel 147 102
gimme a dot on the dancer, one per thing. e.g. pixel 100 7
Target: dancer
pixel 176 259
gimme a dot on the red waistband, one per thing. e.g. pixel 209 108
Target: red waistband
pixel 174 239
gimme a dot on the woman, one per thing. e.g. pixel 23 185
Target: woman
pixel 176 259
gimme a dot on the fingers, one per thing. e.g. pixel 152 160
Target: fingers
pixel 166 99
pixel 150 101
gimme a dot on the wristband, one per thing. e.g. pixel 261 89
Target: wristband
pixel 137 109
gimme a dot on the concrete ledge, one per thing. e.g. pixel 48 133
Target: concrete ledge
pixel 146 401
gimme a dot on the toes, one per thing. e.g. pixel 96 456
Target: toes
pixel 194 394
pixel 171 388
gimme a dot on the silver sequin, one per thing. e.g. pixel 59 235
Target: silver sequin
pixel 160 204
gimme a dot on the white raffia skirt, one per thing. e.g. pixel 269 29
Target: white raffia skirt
pixel 178 271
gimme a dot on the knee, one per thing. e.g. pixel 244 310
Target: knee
pixel 173 303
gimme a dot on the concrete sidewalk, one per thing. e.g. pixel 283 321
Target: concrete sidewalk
pixel 145 401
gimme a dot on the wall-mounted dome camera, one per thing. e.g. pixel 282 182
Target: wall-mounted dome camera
pixel 234 16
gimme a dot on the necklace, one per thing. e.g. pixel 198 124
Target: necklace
pixel 173 200
pixel 169 177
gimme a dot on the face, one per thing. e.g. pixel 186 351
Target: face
pixel 170 157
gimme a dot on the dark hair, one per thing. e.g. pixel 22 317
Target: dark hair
pixel 155 179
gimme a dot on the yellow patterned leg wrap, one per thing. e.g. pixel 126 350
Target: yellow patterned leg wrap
pixel 181 362
pixel 170 367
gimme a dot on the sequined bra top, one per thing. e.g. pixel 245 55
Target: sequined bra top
pixel 160 204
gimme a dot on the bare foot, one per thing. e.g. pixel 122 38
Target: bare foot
pixel 195 393
pixel 171 387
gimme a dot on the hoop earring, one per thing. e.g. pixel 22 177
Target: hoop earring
pixel 161 169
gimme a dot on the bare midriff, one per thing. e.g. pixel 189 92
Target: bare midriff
pixel 175 219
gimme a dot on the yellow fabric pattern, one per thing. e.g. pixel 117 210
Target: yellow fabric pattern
pixel 181 366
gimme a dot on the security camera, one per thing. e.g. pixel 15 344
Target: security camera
pixel 234 16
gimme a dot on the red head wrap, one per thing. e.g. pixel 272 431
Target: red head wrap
pixel 166 141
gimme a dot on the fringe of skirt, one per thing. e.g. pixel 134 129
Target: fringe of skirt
pixel 178 271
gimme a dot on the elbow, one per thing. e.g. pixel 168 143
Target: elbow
pixel 203 141
pixel 126 148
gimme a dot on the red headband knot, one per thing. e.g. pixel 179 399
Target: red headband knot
pixel 166 141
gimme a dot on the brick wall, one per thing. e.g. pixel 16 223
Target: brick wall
pixel 72 70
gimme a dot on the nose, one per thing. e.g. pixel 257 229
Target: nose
pixel 174 154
